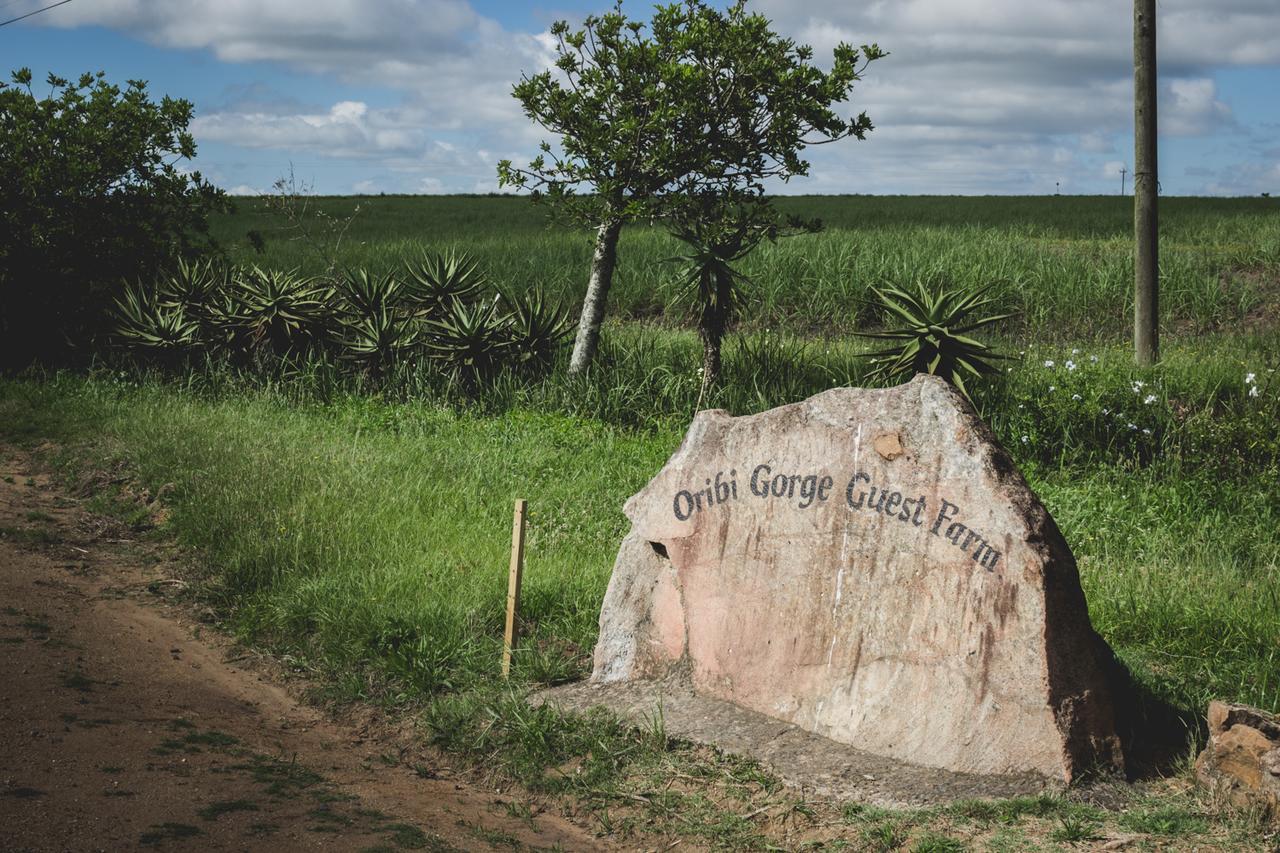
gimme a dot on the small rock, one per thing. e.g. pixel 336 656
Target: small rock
pixel 1242 758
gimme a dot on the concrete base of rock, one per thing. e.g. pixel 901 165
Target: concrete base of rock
pixel 802 760
pixel 1242 759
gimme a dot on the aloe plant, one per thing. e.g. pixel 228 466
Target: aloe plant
pixel 934 338
pixel 437 280
pixel 277 311
pixel 147 323
pixel 536 328
pixel 469 340
pixel 364 294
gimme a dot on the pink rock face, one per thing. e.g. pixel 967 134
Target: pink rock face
pixel 868 565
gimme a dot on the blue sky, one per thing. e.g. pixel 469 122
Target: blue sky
pixel 979 96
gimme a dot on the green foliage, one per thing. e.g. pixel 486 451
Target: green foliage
pixel 642 108
pixel 469 340
pixel 438 279
pixel 91 194
pixel 536 328
pixel 934 338
pixel 376 323
pixel 152 324
pixel 653 120
pixel 277 312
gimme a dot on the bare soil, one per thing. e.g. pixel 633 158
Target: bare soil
pixel 127 724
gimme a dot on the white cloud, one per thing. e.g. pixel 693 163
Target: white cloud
pixel 347 129
pixel 243 190
pixel 979 96
pixel 1010 85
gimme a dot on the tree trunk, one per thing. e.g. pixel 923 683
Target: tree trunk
pixel 603 260
pixel 713 322
pixel 1146 264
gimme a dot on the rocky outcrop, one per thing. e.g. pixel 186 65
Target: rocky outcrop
pixel 1242 759
pixel 870 566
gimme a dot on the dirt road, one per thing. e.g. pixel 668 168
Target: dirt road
pixel 126 724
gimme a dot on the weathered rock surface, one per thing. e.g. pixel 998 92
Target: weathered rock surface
pixel 869 566
pixel 1242 758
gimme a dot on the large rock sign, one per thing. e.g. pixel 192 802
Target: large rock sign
pixel 870 566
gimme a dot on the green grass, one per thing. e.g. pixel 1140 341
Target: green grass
pixel 1063 263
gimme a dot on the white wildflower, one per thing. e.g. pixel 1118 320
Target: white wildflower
pixel 1106 411
pixel 1053 388
pixel 1048 362
pixel 1076 397
pixel 1250 378
pixel 1146 431
pixel 1133 426
pixel 1025 439
pixel 1093 358
pixel 1070 365
pixel 1253 390
pixel 1138 385
pixel 1150 398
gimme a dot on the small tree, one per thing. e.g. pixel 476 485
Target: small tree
pixel 762 104
pixel 90 194
pixel 701 103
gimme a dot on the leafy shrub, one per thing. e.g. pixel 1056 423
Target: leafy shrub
pixel 91 195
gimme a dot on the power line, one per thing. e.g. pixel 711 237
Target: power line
pixel 36 12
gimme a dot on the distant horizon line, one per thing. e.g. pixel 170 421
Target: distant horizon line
pixel 1259 196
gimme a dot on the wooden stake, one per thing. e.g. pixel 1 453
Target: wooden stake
pixel 513 586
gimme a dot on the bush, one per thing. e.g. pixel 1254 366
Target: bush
pixel 90 195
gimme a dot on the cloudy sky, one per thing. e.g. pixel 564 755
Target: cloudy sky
pixel 413 96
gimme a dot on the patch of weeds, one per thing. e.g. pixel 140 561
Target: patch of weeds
pixel 1009 840
pixel 78 681
pixel 119 792
pixel 111 768
pixel 933 842
pixel 424 772
pixel 215 739
pixel 1075 827
pixel 263 828
pixel 371 814
pixel 97 723
pixel 326 816
pixel 1006 811
pixel 168 832
pixel 279 778
pixel 36 625
pixel 519 811
pixel 214 810
pixel 29 535
pixel 495 837
pixel 1164 820
pixel 406 836
pixel 8 479
pixel 22 793
pixel 181 723
pixel 885 835
pixel 37 515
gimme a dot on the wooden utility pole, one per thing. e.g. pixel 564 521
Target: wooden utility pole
pixel 1146 257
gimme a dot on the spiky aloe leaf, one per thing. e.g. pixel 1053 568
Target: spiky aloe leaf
pixel 933 338
pixel 435 281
